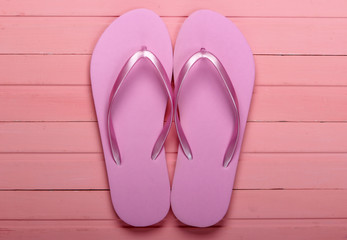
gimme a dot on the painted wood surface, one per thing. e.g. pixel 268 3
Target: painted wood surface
pixel 288 229
pixel 270 103
pixel 47 171
pixel 76 35
pixel 76 205
pixel 266 8
pixel 83 137
pixel 292 176
pixel 270 70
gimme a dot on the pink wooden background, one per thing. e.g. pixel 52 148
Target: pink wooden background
pixel 292 178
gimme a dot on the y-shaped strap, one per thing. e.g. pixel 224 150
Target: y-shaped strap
pixel 203 54
pixel 128 66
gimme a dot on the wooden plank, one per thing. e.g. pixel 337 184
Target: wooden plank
pixel 295 137
pixel 292 171
pixel 83 137
pixel 269 103
pixel 247 229
pixel 47 103
pixel 49 137
pixel 270 70
pixel 301 70
pixel 255 171
pixel 53 171
pixel 78 35
pixel 298 104
pixel 245 204
pixel 45 69
pixel 297 8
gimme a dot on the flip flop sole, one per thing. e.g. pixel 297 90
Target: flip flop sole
pixel 202 187
pixel 139 186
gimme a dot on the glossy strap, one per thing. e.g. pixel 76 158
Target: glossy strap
pixel 203 54
pixel 128 66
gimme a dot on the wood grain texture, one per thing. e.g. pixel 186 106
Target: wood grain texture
pixel 75 103
pixel 78 35
pixel 282 8
pixel 255 171
pixel 44 69
pixel 302 229
pixel 245 204
pixel 270 70
pixel 83 137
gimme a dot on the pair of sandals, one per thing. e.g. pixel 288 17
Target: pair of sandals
pixel 131 71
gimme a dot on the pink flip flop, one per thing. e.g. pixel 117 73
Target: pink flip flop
pixel 214 78
pixel 129 73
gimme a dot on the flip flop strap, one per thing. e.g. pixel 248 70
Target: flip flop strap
pixel 128 66
pixel 203 54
